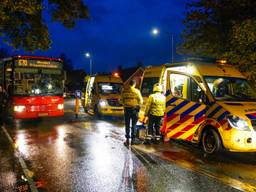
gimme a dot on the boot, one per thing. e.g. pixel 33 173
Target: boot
pixel 157 139
pixel 135 141
pixel 148 140
pixel 126 143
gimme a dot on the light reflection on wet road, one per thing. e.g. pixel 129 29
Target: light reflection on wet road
pixel 87 154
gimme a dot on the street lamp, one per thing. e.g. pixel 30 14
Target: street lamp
pixel 88 55
pixel 156 31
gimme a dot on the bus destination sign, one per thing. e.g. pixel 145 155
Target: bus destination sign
pixel 38 63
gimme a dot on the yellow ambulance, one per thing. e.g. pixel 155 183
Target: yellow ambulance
pixel 211 104
pixel 102 96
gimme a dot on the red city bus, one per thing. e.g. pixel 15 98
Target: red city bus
pixel 34 85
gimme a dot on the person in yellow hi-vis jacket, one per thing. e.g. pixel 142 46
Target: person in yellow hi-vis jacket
pixel 155 111
pixel 131 99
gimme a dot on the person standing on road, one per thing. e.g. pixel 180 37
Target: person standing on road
pixel 154 112
pixel 131 99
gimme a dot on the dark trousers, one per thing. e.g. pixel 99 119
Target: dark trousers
pixel 1 115
pixel 154 123
pixel 1 109
pixel 130 115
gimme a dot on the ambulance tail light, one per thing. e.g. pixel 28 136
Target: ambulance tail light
pixel 238 123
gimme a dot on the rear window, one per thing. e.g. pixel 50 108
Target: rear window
pixel 147 85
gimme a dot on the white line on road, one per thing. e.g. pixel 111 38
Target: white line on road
pixel 22 163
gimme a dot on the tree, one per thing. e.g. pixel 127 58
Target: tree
pixel 139 64
pixel 22 23
pixel 222 29
pixel 76 80
pixel 67 63
pixel 68 68
pixel 4 53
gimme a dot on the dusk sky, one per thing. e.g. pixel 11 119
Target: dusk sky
pixel 118 33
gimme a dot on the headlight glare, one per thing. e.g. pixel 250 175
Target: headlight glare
pixel 60 106
pixel 19 108
pixel 238 123
pixel 103 103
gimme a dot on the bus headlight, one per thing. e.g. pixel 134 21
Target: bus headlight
pixel 19 108
pixel 238 123
pixel 60 106
pixel 103 103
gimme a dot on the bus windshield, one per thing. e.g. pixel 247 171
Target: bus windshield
pixel 110 88
pixel 147 85
pixel 38 82
pixel 230 89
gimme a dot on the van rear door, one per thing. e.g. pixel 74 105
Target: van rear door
pixel 185 108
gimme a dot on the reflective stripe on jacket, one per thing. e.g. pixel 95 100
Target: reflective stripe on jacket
pixel 131 97
pixel 155 104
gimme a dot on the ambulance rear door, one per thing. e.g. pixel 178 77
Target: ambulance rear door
pixel 90 92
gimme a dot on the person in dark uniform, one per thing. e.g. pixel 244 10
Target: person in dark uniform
pixel 132 99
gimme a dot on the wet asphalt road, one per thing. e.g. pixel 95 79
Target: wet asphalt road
pixel 87 154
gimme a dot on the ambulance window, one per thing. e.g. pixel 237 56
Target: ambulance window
pixel 147 85
pixel 197 93
pixel 179 84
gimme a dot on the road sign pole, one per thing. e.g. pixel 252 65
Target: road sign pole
pixel 77 106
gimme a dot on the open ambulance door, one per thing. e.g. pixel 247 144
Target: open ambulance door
pixel 88 93
pixel 185 105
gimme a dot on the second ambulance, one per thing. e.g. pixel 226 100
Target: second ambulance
pixel 103 95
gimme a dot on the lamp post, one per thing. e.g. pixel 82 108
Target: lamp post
pixel 156 31
pixel 88 55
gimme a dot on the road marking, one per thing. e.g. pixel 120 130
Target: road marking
pixel 235 183
pixel 22 163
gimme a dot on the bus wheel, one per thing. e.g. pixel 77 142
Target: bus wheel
pixel 211 141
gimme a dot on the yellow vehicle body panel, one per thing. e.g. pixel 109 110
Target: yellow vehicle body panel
pixel 186 120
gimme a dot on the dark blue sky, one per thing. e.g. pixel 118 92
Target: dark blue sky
pixel 118 33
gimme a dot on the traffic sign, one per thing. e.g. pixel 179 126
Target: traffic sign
pixel 78 94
